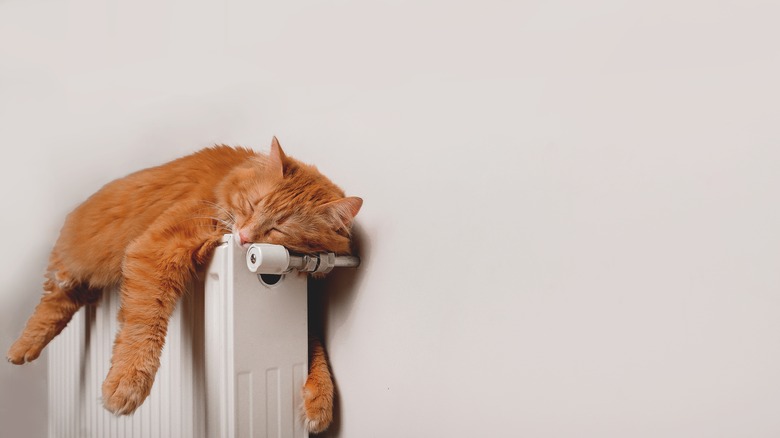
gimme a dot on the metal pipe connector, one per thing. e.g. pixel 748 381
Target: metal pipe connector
pixel 265 258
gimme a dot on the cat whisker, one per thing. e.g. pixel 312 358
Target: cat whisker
pixel 223 224
pixel 212 214
pixel 221 208
pixel 211 217
pixel 169 231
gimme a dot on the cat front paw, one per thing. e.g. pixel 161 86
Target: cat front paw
pixel 125 390
pixel 317 406
pixel 24 350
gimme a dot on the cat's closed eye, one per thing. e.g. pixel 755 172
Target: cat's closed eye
pixel 153 256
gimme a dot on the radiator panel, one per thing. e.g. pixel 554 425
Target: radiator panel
pixel 263 330
pixel 234 362
pixel 79 359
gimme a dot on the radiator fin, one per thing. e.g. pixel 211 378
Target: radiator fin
pixel 233 363
pixel 79 360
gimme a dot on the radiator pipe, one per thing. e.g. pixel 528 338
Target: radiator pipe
pixel 264 258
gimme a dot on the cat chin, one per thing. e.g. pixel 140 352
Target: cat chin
pixel 155 256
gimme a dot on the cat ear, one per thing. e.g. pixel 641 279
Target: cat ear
pixel 277 158
pixel 344 210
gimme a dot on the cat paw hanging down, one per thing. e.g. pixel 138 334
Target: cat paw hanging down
pixel 318 391
pixel 149 232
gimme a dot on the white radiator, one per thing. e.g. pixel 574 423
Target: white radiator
pixel 233 364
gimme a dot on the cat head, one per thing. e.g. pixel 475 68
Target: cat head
pixel 277 199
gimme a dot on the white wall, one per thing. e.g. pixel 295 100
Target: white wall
pixel 570 220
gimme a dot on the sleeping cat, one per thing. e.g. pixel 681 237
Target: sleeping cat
pixel 148 232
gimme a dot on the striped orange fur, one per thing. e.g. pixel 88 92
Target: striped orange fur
pixel 150 231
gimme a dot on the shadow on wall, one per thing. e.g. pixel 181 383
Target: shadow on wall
pixel 331 300
pixel 23 408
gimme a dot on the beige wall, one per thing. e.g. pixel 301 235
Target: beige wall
pixel 570 219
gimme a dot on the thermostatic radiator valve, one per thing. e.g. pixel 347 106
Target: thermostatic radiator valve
pixel 264 258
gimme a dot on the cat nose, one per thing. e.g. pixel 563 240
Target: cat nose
pixel 243 236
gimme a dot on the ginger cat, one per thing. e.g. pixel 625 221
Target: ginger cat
pixel 149 231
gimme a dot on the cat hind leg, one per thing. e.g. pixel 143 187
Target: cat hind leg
pixel 317 392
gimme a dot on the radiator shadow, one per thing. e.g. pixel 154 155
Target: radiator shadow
pixel 330 304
